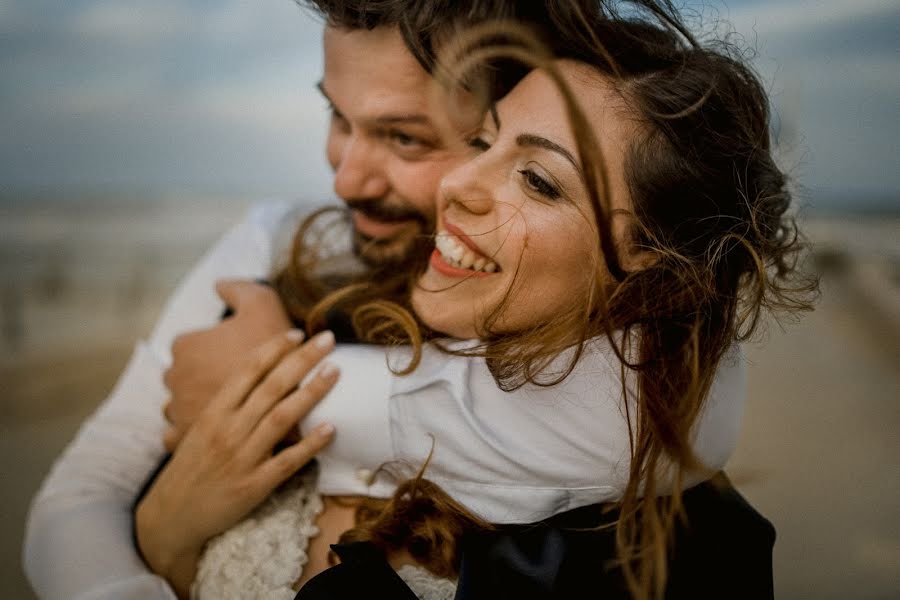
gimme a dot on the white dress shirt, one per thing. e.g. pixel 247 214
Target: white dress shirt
pixel 508 456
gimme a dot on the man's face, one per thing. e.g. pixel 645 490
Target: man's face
pixel 388 140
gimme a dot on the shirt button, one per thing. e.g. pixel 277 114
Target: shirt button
pixel 364 476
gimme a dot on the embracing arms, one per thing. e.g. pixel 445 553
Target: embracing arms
pixel 78 539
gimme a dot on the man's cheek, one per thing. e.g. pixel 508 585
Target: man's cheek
pixel 422 186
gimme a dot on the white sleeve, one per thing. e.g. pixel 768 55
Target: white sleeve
pixel 78 538
pixel 521 456
pixel 719 424
pixel 511 457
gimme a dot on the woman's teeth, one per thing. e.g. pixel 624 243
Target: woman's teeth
pixel 456 254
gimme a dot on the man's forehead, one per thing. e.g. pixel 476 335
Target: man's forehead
pixel 372 73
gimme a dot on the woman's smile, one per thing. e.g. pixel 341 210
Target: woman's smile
pixel 456 255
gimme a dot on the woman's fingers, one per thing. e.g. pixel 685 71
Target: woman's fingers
pixel 283 379
pixel 286 415
pixel 274 471
pixel 215 476
pixel 235 390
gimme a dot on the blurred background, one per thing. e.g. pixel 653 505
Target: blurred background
pixel 133 132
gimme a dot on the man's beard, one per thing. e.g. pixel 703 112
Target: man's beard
pixel 399 249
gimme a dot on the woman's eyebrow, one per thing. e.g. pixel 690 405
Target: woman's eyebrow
pixel 529 139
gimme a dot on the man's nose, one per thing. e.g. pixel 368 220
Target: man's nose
pixel 360 171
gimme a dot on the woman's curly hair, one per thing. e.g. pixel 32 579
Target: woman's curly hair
pixel 709 205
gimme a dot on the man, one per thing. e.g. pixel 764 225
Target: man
pixel 388 154
pixel 388 147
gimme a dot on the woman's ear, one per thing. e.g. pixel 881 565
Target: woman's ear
pixel 635 252
pixel 638 259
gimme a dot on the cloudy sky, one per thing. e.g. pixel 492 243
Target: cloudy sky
pixel 217 96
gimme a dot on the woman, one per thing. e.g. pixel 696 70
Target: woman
pixel 664 218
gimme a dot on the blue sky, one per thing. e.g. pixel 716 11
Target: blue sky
pixel 218 96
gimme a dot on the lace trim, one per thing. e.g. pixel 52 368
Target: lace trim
pixel 262 556
pixel 425 585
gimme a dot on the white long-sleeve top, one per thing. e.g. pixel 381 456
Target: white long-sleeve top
pixel 509 457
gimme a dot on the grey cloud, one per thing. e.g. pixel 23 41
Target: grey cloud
pixel 103 94
pixel 219 94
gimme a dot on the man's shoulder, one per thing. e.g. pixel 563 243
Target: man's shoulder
pixel 721 548
pixel 724 542
pixel 717 501
pixel 277 215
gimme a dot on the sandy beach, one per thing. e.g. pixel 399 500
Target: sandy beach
pixel 820 442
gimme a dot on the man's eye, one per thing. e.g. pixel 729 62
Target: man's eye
pixel 409 147
pixel 539 184
pixel 339 119
pixel 405 139
pixel 479 144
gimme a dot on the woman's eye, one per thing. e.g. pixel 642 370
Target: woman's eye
pixel 539 184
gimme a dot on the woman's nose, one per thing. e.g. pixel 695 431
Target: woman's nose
pixel 468 188
pixel 359 172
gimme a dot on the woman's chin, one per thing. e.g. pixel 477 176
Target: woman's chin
pixel 441 316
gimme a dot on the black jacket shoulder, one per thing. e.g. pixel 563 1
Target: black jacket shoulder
pixel 723 549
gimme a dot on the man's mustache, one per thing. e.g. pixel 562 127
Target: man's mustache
pixel 381 211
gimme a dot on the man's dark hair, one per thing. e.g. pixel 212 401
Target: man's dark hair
pixel 422 22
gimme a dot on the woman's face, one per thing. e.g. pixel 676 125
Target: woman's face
pixel 517 219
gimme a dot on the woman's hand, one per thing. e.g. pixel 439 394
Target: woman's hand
pixel 225 466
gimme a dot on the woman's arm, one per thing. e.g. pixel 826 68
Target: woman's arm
pixel 78 540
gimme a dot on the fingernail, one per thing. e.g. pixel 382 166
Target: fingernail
pixel 324 429
pixel 324 340
pixel 295 335
pixel 328 370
